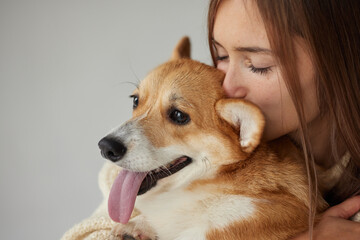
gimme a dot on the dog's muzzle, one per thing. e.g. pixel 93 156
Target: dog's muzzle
pixel 112 149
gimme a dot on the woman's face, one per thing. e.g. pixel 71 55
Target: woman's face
pixel 244 54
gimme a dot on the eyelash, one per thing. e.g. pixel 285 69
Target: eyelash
pixel 221 58
pixel 261 71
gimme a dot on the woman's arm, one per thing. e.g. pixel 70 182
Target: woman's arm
pixel 334 224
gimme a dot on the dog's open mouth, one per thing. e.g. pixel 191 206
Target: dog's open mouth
pixel 162 172
pixel 129 184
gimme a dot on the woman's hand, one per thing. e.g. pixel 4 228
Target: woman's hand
pixel 334 224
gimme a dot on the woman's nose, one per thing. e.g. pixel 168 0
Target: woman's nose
pixel 233 86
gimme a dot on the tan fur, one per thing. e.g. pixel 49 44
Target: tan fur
pixel 163 87
pixel 272 174
pixel 286 211
pixel 225 108
pixel 182 49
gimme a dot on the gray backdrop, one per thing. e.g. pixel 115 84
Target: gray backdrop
pixel 65 68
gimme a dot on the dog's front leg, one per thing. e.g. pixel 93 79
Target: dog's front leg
pixel 136 229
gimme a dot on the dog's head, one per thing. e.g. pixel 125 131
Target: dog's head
pixel 182 123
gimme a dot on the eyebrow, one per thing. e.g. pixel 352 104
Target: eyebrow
pixel 174 98
pixel 253 49
pixel 247 49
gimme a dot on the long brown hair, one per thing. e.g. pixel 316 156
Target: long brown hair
pixel 331 30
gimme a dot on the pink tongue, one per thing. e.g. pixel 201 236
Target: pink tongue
pixel 123 194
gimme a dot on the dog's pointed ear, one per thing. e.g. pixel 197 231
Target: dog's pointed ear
pixel 182 49
pixel 246 117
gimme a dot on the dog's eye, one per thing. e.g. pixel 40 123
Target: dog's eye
pixel 135 101
pixel 179 117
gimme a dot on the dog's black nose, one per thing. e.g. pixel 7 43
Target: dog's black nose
pixel 112 149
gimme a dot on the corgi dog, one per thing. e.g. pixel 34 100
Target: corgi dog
pixel 194 167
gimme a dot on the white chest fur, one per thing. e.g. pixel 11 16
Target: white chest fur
pixel 184 215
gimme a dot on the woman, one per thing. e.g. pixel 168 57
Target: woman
pixel 299 61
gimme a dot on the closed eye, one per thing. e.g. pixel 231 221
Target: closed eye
pixel 221 58
pixel 261 71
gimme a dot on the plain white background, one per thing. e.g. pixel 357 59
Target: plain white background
pixel 66 69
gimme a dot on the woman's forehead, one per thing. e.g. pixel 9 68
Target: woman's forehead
pixel 239 24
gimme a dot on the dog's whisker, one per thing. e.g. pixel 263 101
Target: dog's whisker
pixel 129 82
pixel 166 171
pixel 133 72
pixel 162 168
pixel 152 177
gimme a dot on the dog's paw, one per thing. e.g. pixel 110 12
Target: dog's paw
pixel 129 232
pixel 136 229
pixel 122 237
